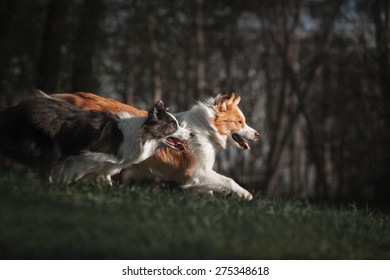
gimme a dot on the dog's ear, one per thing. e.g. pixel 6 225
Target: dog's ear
pixel 219 103
pixel 159 106
pixel 160 109
pixel 230 99
pixel 156 111
pixel 237 100
pixel 222 101
pixel 152 114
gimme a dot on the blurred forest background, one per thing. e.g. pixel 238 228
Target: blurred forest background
pixel 314 76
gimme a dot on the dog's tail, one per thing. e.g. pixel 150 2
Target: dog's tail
pixel 40 93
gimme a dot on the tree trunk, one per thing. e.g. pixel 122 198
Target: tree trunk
pixel 279 142
pixel 297 162
pixel 380 12
pixel 128 92
pixel 381 17
pixel 50 55
pixel 200 49
pixel 327 157
pixel 155 54
pixel 86 43
pixel 298 88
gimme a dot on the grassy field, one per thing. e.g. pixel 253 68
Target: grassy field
pixel 90 220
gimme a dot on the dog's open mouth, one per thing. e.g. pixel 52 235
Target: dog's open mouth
pixel 240 141
pixel 175 143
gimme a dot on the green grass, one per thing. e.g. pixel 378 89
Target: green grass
pixel 90 220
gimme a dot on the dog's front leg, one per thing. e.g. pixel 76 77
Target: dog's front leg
pixel 214 182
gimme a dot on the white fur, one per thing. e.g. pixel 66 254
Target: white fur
pixel 204 147
pixel 247 133
pixel 132 150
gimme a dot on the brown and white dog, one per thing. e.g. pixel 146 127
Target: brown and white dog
pixel 217 123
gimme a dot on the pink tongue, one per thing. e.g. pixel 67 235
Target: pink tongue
pixel 241 142
pixel 245 145
pixel 182 147
pixel 177 144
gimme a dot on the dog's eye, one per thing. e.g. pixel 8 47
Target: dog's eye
pixel 240 122
pixel 173 124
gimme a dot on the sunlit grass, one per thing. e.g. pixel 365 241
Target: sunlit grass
pixel 91 220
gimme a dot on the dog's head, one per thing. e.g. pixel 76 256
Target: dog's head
pixel 230 122
pixel 162 126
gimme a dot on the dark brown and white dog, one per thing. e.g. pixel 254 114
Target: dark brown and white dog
pixel 51 134
pixel 217 123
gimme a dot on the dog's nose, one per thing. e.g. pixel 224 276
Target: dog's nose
pixel 257 134
pixel 192 135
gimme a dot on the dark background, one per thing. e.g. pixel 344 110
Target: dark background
pixel 313 75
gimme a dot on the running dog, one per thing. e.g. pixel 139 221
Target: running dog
pixel 56 136
pixel 217 123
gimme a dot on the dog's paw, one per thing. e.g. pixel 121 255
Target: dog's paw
pixel 248 196
pixel 245 194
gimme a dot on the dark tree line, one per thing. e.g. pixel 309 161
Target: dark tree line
pixel 314 76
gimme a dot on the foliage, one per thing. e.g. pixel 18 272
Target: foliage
pixel 91 220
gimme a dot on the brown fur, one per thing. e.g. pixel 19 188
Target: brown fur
pixel 229 118
pixel 173 161
pixel 89 101
pixel 166 161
